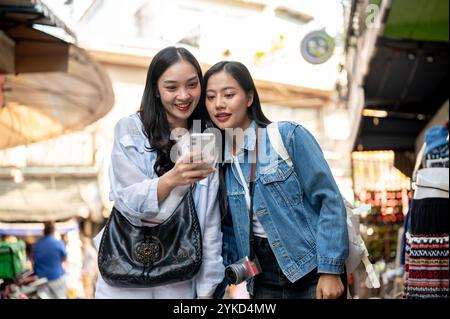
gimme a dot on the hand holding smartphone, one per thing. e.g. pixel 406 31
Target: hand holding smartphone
pixel 203 148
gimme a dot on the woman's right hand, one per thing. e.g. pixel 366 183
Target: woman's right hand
pixel 185 172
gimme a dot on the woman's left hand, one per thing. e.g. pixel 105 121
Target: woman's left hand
pixel 329 286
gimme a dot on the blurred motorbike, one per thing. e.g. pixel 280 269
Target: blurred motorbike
pixel 25 285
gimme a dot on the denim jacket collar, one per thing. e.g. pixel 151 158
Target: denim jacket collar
pixel 249 143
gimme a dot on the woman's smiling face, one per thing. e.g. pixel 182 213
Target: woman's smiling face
pixel 179 90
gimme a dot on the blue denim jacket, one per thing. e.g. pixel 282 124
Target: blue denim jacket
pixel 299 207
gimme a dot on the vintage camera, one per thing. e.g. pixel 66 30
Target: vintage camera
pixel 242 270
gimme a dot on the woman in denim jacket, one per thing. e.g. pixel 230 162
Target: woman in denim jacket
pixel 299 219
pixel 147 183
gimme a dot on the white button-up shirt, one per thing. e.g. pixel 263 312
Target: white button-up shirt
pixel 134 192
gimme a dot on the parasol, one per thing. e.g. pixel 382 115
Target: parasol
pixel 48 85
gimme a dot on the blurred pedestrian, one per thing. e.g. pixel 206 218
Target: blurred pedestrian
pixel 89 270
pixel 48 255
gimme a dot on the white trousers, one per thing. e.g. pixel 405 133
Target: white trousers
pixel 179 290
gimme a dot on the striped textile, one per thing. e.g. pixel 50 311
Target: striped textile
pixel 427 266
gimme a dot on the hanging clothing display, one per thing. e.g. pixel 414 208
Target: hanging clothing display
pixel 427 239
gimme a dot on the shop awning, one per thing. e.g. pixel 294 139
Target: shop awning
pixel 49 85
pixel 36 229
pixel 39 200
pixel 407 77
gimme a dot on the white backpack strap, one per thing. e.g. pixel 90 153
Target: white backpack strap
pixel 361 209
pixel 277 143
pixel 372 278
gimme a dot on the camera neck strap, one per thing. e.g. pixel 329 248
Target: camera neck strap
pixel 248 191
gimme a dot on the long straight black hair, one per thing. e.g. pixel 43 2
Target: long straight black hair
pixel 152 112
pixel 242 75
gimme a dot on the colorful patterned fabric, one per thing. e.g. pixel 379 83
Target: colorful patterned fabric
pixel 427 266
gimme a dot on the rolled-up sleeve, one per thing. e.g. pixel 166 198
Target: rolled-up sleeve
pixel 133 190
pixel 211 272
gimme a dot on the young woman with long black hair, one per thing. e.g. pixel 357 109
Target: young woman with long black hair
pixel 147 183
pixel 291 218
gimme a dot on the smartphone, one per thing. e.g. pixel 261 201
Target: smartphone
pixel 204 146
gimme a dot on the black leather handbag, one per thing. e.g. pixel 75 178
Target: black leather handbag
pixel 138 257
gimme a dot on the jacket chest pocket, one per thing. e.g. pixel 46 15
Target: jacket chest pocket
pixel 135 148
pixel 280 182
